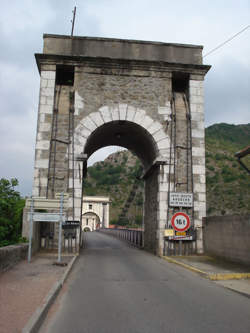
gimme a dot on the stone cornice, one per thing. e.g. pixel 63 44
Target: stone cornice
pixel 119 64
pixel 132 41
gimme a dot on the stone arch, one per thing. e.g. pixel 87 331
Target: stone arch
pixel 86 227
pixel 147 138
pixel 122 114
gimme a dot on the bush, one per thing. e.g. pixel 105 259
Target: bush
pixel 210 167
pixel 138 220
pixel 219 157
pixel 11 209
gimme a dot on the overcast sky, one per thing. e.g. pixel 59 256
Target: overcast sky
pixel 207 22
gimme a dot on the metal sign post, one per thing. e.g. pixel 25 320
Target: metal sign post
pixel 46 217
pixel 60 228
pixel 31 229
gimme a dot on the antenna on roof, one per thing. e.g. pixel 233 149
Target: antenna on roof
pixel 73 21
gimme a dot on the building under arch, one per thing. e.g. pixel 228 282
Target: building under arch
pixel 95 212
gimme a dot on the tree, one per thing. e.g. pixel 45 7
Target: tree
pixel 11 207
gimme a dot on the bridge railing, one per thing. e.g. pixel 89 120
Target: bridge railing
pixel 132 236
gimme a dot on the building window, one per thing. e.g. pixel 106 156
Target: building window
pixel 90 207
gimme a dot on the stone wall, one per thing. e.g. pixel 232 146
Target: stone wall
pixel 228 237
pixel 11 255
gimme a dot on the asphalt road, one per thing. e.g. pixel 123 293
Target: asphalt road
pixel 114 288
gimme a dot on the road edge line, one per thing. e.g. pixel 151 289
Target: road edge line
pixel 229 276
pixel 190 268
pixel 210 276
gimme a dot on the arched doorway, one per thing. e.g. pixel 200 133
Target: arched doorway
pixel 90 221
pixel 86 229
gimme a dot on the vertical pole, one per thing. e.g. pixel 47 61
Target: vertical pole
pixel 51 141
pixel 73 21
pixel 60 228
pixel 80 231
pixel 31 229
pixel 84 165
pixel 180 243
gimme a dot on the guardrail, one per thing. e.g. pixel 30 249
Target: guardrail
pixel 132 236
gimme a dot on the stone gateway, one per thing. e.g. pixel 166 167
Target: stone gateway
pixel 145 96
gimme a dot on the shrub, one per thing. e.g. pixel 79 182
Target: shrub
pixel 11 209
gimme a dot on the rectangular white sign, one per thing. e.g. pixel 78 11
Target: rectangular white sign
pixel 178 199
pixel 47 217
pixel 181 238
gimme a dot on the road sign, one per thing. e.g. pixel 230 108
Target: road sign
pixel 181 199
pixel 169 232
pixel 180 221
pixel 71 225
pixel 180 233
pixel 46 217
pixel 182 238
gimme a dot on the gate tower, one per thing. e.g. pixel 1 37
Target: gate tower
pixel 145 96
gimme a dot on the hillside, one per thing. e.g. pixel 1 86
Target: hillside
pixel 228 184
pixel 116 177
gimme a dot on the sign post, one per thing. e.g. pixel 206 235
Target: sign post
pixel 31 229
pixel 180 222
pixel 46 217
pixel 60 228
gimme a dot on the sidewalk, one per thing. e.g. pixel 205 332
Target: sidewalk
pixel 24 290
pixel 227 274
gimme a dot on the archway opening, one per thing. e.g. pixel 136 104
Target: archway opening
pixel 125 134
pixel 90 221
pixel 141 143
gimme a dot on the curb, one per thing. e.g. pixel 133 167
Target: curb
pixel 210 276
pixel 229 276
pixel 39 315
pixel 191 268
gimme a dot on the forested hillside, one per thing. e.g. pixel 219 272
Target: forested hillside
pixel 228 184
pixel 115 177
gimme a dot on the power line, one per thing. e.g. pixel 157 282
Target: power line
pixel 227 41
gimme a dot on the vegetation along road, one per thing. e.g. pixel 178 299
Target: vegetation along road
pixel 116 288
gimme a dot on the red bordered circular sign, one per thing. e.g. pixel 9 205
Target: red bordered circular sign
pixel 180 221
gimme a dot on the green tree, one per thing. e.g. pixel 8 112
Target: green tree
pixel 11 208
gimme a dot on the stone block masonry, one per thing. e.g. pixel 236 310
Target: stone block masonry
pixel 97 92
pixel 11 255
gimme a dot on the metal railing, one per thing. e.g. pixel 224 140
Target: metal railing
pixel 132 236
